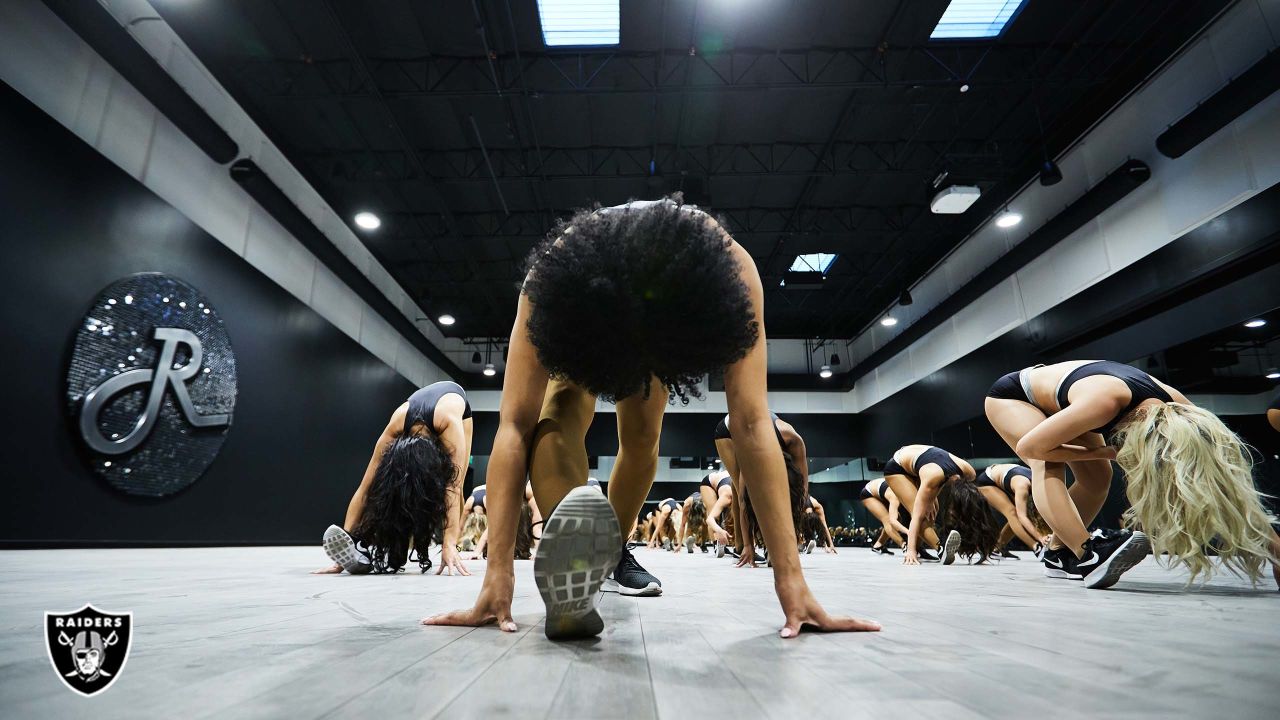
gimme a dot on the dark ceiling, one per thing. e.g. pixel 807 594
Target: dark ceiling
pixel 1233 360
pixel 808 126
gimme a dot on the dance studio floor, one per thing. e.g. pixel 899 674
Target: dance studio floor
pixel 247 633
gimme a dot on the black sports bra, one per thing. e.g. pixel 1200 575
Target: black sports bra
pixel 1141 385
pixel 422 404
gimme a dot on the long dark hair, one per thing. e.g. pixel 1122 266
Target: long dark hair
pixel 811 528
pixel 405 503
pixel 961 507
pixel 798 492
pixel 524 534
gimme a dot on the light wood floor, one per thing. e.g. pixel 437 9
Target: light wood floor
pixel 247 633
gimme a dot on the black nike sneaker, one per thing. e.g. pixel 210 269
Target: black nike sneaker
pixel 1059 563
pixel 1110 554
pixel 343 550
pixel 1004 553
pixel 629 578
pixel 881 550
pixel 925 556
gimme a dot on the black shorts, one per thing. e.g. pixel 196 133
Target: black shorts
pixel 893 468
pixel 984 480
pixel 1008 387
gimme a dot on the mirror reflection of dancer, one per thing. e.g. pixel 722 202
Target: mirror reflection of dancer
pixel 1187 476
pixel 1007 488
pixel 926 478
pixel 637 281
pixel 411 487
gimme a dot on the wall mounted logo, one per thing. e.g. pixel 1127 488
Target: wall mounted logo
pixel 152 384
pixel 88 648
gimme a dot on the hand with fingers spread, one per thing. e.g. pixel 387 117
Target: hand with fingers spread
pixel 450 560
pixel 492 606
pixel 910 557
pixel 333 569
pixel 718 533
pixel 803 610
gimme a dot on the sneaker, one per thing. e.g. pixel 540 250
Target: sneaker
pixel 809 546
pixel 666 544
pixel 732 552
pixel 1006 554
pixel 1110 555
pixel 950 546
pixel 629 578
pixel 579 546
pixel 881 550
pixel 341 549
pixel 925 556
pixel 1058 563
pixel 721 550
pixel 1039 552
pixel 688 544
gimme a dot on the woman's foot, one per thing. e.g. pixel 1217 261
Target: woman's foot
pixel 579 546
pixel 341 549
pixel 629 578
pixel 950 547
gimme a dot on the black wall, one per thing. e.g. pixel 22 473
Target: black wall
pixel 311 401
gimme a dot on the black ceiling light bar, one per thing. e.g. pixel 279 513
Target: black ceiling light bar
pixel 1122 181
pixel 279 206
pixel 1250 88
pixel 96 26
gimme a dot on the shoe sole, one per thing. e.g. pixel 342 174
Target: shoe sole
pixel 653 589
pixel 949 549
pixel 1132 552
pixel 688 544
pixel 719 550
pixel 808 549
pixel 341 549
pixel 580 546
pixel 1060 574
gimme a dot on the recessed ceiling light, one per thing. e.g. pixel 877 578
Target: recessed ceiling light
pixel 446 319
pixel 368 221
pixel 825 372
pixel 1008 219
pixel 888 321
pixel 490 370
pixel 1255 323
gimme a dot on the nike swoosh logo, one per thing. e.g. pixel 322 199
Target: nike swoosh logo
pixel 1093 558
pixel 1054 563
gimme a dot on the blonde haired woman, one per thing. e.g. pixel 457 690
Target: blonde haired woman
pixel 1188 477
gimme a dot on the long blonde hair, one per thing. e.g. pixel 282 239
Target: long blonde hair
pixel 1190 486
pixel 472 529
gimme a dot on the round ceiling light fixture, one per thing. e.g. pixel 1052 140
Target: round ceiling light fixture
pixel 368 221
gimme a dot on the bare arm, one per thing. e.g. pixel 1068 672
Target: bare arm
pixel 925 510
pixel 355 508
pixel 455 438
pixel 822 516
pixel 799 453
pixel 523 387
pixel 1048 440
pixel 1020 506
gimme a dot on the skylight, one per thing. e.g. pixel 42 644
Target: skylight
pixel 813 262
pixel 579 23
pixel 975 18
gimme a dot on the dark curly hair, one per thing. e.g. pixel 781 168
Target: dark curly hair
pixel 620 296
pixel 961 507
pixel 405 503
pixel 798 492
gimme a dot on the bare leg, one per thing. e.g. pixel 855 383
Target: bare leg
pixel 1013 419
pixel 902 486
pixel 1003 505
pixel 1089 491
pixel 881 511
pixel 558 461
pixel 639 428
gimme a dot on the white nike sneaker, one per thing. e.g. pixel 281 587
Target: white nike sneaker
pixel 341 549
pixel 950 547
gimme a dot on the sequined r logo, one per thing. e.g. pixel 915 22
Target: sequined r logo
pixel 164 375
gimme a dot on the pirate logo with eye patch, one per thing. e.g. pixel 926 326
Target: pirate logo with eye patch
pixel 88 648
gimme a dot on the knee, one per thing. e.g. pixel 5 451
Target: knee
pixel 568 405
pixel 640 438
